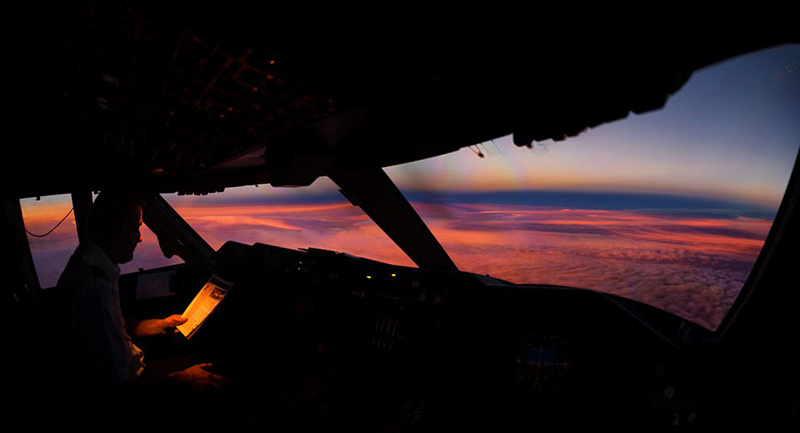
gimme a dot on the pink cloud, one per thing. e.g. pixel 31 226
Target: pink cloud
pixel 693 267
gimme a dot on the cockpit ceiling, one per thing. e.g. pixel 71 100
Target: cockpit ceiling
pixel 184 102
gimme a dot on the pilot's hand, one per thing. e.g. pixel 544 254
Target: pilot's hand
pixel 171 322
pixel 198 378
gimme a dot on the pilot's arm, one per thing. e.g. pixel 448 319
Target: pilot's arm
pixel 150 327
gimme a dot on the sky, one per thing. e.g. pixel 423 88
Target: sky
pixel 670 208
pixel 732 131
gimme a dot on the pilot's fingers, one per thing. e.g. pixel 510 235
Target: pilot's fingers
pixel 175 320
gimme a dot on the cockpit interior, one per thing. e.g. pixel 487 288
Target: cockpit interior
pixel 192 101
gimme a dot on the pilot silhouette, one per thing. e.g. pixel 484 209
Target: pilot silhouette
pixel 102 338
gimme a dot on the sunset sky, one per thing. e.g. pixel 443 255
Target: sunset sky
pixel 669 208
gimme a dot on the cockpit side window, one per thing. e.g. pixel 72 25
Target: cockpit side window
pixel 53 236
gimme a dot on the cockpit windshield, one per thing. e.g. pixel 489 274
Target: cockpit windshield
pixel 317 216
pixel 670 208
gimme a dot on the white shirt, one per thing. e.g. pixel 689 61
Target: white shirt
pixel 90 282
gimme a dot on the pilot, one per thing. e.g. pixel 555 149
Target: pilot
pixel 89 283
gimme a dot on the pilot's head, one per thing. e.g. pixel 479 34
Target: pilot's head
pixel 114 223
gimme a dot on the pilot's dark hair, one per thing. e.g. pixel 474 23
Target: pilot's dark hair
pixel 109 210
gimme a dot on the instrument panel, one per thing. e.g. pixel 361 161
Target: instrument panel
pixel 384 346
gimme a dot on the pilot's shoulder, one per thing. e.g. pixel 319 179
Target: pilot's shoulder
pixel 81 274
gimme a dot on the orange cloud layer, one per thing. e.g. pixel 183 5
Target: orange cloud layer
pixel 691 266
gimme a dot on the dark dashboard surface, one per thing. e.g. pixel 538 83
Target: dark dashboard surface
pixel 317 339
